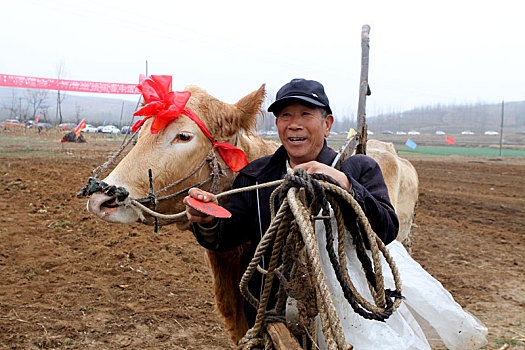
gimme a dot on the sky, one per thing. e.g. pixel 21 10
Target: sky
pixel 421 52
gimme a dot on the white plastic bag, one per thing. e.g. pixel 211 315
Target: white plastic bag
pixel 427 314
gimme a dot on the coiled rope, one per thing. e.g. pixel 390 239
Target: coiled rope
pixel 322 193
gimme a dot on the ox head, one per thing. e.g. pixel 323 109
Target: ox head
pixel 173 153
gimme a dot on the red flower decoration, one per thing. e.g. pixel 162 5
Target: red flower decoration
pixel 165 106
pixel 161 103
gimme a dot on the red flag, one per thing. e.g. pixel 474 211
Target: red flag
pixel 37 118
pixel 79 127
pixel 450 140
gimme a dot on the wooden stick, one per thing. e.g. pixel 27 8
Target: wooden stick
pixel 358 143
pixel 364 90
pixel 281 337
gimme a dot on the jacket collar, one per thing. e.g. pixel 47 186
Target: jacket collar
pixel 277 162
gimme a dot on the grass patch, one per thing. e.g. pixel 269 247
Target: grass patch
pixel 463 151
pixel 503 341
pixel 60 224
pixel 29 154
pixel 27 147
pixel 24 139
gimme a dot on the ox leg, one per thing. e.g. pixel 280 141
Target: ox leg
pixel 227 269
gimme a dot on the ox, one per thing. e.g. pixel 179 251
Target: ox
pixel 180 147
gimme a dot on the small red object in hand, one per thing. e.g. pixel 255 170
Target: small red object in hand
pixel 209 208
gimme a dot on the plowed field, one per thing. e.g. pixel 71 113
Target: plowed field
pixel 71 281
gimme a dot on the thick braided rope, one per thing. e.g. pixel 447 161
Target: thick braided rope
pixel 363 221
pixel 268 282
pixel 282 215
pixel 277 229
pixel 379 246
pixel 330 322
pixel 340 272
pixel 342 260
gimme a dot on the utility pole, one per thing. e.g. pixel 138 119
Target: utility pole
pixel 121 112
pixel 501 129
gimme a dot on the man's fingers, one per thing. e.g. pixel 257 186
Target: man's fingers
pixel 201 195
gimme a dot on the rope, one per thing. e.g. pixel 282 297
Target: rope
pixel 102 168
pixel 322 193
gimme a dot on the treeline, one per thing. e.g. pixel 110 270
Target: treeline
pixel 25 104
pixel 477 118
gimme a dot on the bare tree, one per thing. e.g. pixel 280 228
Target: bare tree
pixel 12 106
pixel 44 111
pixel 60 95
pixel 78 111
pixel 36 100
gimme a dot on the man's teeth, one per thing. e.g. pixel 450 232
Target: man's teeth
pixel 297 138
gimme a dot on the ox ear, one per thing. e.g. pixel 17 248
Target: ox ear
pixel 243 114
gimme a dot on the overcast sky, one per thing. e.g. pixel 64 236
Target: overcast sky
pixel 421 52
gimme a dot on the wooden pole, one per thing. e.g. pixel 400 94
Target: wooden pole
pixel 358 141
pixel 281 337
pixel 121 113
pixel 501 129
pixel 364 90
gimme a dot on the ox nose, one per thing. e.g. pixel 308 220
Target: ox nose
pixel 105 207
pixel 101 205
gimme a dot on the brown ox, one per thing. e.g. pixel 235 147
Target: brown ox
pixel 180 148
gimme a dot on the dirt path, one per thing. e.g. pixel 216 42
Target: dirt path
pixel 70 281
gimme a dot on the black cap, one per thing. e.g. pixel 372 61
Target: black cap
pixel 310 91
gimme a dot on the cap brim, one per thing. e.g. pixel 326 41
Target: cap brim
pixel 275 106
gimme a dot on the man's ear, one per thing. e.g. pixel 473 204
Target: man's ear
pixel 329 121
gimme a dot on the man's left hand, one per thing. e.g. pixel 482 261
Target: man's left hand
pixel 315 167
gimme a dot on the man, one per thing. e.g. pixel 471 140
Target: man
pixel 303 120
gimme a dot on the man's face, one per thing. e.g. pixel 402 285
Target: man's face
pixel 302 130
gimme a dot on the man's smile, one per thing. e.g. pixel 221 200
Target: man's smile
pixel 297 139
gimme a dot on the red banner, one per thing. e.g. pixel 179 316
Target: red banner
pixel 20 81
pixel 450 140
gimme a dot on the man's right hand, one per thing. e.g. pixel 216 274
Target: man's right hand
pixel 194 215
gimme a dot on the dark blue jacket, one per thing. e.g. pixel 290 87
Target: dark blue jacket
pixel 250 220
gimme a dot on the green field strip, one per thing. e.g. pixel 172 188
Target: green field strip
pixel 462 151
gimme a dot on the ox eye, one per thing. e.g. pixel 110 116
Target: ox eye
pixel 182 137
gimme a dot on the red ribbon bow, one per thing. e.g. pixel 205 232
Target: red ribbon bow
pixel 161 103
pixel 165 106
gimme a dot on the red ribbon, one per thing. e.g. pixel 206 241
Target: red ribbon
pixel 165 106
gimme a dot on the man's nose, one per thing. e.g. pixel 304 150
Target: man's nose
pixel 296 123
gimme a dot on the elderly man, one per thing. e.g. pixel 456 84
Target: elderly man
pixel 303 120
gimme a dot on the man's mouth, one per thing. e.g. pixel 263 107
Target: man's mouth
pixel 297 139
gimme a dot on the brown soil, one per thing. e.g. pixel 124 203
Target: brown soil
pixel 71 281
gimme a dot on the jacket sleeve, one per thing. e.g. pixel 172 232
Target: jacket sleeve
pixel 231 232
pixel 371 193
